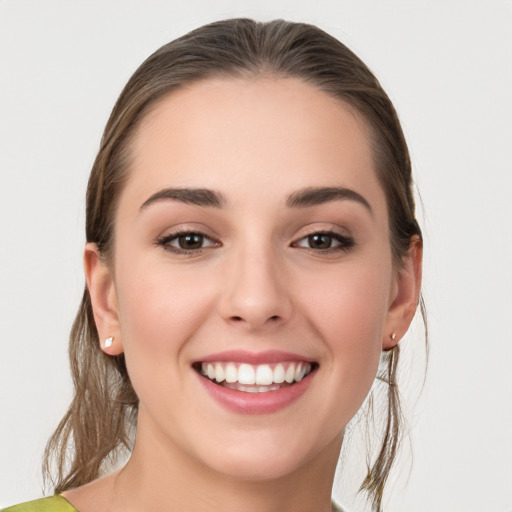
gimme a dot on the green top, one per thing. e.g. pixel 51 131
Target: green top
pixel 58 503
pixel 55 503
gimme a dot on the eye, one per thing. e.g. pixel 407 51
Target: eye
pixel 325 241
pixel 186 242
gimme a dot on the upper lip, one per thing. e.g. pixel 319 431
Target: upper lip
pixel 243 356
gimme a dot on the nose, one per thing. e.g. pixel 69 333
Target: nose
pixel 255 292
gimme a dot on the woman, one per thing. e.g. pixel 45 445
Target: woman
pixel 252 258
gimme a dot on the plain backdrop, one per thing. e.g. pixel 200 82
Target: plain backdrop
pixel 447 66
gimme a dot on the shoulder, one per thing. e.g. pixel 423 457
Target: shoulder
pixel 53 504
pixel 335 507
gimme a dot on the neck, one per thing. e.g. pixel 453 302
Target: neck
pixel 160 475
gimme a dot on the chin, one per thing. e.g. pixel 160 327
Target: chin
pixel 258 469
pixel 270 457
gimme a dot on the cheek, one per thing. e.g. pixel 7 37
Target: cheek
pixel 348 310
pixel 353 301
pixel 159 312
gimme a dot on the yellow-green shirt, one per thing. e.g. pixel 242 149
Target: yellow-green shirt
pixel 53 504
pixel 59 504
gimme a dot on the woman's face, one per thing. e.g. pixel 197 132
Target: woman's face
pixel 251 245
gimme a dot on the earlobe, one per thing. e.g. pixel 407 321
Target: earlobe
pixel 406 295
pixel 101 286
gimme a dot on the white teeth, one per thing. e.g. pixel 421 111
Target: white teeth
pixel 301 371
pixel 211 372
pixel 252 389
pixel 231 373
pixel 264 389
pixel 279 374
pixel 246 374
pixel 264 375
pixel 290 374
pixel 219 373
pixel 298 372
pixel 255 378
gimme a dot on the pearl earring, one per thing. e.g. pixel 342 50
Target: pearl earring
pixel 109 341
pixel 393 336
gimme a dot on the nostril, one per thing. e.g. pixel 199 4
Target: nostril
pixel 237 318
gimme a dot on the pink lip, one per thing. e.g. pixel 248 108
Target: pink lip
pixel 242 402
pixel 242 356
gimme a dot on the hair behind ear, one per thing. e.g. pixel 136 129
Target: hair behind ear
pixel 104 407
pixel 378 472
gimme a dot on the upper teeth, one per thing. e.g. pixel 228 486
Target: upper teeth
pixel 261 374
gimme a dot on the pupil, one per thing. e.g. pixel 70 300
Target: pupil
pixel 320 241
pixel 191 241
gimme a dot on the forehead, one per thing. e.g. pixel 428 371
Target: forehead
pixel 265 133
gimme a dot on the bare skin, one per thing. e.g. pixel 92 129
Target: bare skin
pixel 270 271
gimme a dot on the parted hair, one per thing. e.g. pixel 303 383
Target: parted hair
pixel 103 411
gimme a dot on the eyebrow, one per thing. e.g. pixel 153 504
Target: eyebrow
pixel 312 196
pixel 309 196
pixel 196 196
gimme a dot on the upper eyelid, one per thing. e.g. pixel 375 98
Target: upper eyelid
pixel 173 231
pixel 328 230
pixel 177 234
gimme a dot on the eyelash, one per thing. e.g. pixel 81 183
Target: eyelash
pixel 345 243
pixel 166 240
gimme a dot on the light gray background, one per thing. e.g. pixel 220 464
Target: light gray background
pixel 446 65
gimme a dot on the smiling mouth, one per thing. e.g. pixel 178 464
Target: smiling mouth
pixel 250 378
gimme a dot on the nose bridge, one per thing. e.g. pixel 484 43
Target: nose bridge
pixel 255 292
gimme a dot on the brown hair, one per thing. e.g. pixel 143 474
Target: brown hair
pixel 105 405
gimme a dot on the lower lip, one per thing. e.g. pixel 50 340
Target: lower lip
pixel 267 402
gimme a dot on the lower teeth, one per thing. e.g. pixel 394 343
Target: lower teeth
pixel 251 389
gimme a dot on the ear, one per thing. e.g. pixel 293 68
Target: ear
pixel 405 295
pixel 100 283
